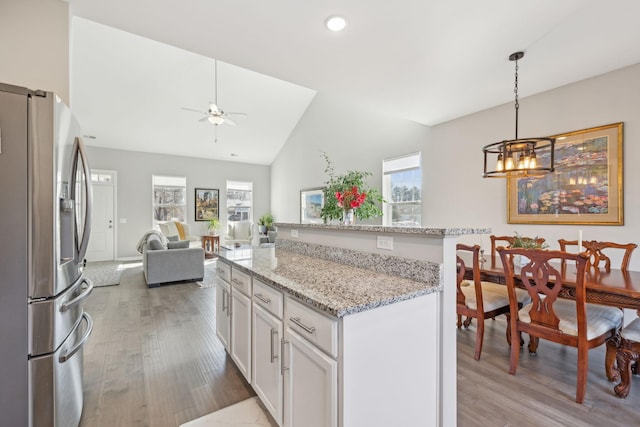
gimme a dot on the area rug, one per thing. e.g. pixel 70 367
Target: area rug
pixel 210 274
pixel 107 273
pixel 248 413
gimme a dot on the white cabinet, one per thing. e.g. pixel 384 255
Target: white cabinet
pixel 223 317
pixel 267 373
pixel 241 322
pixel 310 384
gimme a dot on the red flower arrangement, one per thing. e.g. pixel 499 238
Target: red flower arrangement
pixel 350 199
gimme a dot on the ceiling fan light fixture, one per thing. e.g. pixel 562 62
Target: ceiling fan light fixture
pixel 336 23
pixel 216 120
pixel 529 152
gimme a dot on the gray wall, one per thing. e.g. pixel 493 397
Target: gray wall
pixel 454 193
pixel 35 45
pixel 134 188
pixel 354 136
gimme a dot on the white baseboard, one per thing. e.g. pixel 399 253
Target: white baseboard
pixel 130 258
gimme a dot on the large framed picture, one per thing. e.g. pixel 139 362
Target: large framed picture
pixel 311 203
pixel 586 187
pixel 206 204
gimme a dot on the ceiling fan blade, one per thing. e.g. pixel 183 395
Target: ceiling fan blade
pixel 191 109
pixel 204 119
pixel 236 113
pixel 228 121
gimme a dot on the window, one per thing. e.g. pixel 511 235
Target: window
pixel 239 200
pixel 402 190
pixel 169 198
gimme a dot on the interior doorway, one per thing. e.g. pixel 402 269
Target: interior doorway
pixel 103 225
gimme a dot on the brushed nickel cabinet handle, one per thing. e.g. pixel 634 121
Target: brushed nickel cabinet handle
pixel 263 299
pixel 308 329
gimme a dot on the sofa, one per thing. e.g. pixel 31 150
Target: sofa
pixel 239 232
pixel 176 262
pixel 176 230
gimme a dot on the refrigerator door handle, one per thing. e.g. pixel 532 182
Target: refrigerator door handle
pixel 77 300
pixel 69 354
pixel 81 152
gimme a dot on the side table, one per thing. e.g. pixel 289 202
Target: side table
pixel 210 244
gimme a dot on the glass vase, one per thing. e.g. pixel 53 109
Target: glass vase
pixel 348 217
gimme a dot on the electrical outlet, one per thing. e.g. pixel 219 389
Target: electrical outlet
pixel 294 233
pixel 385 242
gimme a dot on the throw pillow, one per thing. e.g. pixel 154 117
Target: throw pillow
pixel 155 244
pixel 172 238
pixel 180 244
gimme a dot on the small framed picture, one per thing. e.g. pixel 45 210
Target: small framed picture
pixel 206 204
pixel 311 203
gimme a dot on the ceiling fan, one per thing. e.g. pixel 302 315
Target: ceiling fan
pixel 215 114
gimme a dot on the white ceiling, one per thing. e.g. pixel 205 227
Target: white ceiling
pixel 424 60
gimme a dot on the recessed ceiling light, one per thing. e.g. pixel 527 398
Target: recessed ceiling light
pixel 234 155
pixel 336 23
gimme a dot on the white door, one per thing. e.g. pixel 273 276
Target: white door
pixel 101 240
pixel 241 332
pixel 267 377
pixel 310 385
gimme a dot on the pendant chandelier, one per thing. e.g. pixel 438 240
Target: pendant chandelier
pixel 518 157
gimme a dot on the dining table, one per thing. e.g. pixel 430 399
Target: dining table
pixel 617 288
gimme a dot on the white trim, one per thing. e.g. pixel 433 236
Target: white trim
pixel 114 186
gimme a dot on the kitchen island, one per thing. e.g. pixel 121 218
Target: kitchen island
pixel 330 335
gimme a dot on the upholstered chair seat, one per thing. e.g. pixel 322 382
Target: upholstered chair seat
pixel 494 296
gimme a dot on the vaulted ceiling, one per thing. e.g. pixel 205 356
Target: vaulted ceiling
pixel 136 63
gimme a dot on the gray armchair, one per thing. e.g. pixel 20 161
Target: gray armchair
pixel 174 264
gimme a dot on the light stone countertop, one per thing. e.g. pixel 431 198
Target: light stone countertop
pixel 421 231
pixel 334 288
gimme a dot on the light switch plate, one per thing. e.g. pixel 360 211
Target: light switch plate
pixel 385 242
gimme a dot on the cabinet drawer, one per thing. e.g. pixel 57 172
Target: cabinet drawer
pixel 241 281
pixel 269 298
pixel 319 329
pixel 224 271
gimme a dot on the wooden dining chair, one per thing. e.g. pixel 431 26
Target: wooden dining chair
pixel 569 322
pixel 596 251
pixel 508 240
pixel 479 299
pixel 597 260
pixel 628 355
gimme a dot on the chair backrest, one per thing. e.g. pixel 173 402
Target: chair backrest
pixel 474 251
pixel 543 280
pixel 509 241
pixel 597 258
pixel 240 230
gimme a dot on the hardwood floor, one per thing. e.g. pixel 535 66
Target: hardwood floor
pixel 542 393
pixel 154 360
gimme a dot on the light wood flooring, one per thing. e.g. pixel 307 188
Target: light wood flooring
pixel 154 360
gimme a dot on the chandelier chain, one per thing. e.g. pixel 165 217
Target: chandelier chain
pixel 515 90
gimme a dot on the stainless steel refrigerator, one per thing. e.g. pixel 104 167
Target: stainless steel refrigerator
pixel 45 193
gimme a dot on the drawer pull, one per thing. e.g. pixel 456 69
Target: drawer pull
pixel 263 299
pixel 220 271
pixel 308 329
pixel 236 281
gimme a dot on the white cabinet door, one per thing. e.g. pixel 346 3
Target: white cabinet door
pixel 310 385
pixel 267 377
pixel 223 318
pixel 241 332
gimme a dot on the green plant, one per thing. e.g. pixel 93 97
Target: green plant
pixel 266 220
pixel 213 224
pixel 527 242
pixel 339 185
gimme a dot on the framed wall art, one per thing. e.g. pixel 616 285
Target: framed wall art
pixel 585 188
pixel 311 203
pixel 206 204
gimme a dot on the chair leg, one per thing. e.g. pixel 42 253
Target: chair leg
pixel 515 352
pixel 459 321
pixel 625 359
pixel 467 322
pixel 533 344
pixel 479 337
pixel 610 361
pixel 583 370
